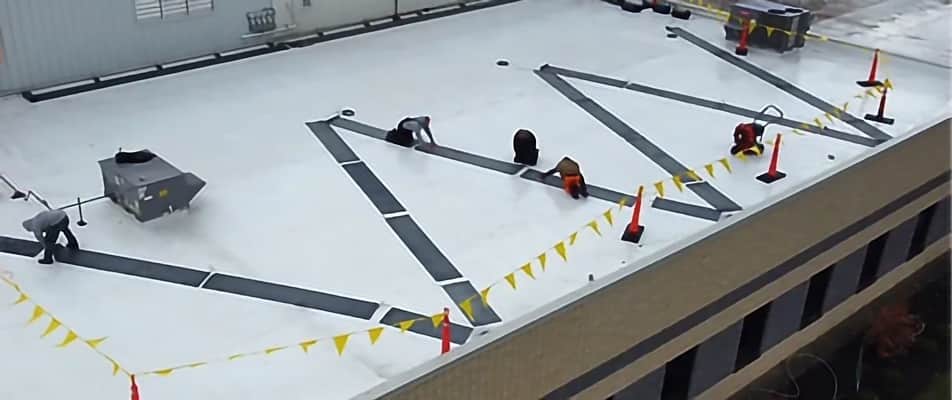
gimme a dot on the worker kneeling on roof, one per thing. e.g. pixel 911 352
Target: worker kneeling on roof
pixel 572 180
pixel 46 227
pixel 408 131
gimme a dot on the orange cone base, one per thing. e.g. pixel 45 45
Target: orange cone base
pixel 880 119
pixel 741 51
pixel 767 178
pixel 869 83
pixel 633 236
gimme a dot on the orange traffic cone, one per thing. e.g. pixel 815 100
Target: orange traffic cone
pixel 772 175
pixel 634 230
pixel 872 73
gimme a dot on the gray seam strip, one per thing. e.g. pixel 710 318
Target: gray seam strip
pixel 707 192
pixel 420 245
pixel 686 209
pixel 649 344
pixel 719 106
pixel 307 298
pixel 782 84
pixel 487 163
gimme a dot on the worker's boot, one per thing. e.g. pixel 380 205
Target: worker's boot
pixel 45 261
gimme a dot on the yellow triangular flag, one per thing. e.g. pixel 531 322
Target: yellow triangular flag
pixel 23 298
pixel 845 106
pixel 527 269
pixel 70 337
pixel 659 187
pixel 340 342
pixel 710 169
pixel 406 325
pixel 828 116
pixel 755 149
pixel 115 366
pixel 467 306
pixel 196 365
pixel 693 175
pixel 888 83
pixel 572 238
pixel 870 93
pixel 37 313
pixel 594 226
pixel 274 350
pixel 880 89
pixel 54 324
pixel 770 30
pixel 560 248
pixel 608 217
pixel 542 260
pixel 437 319
pixel 741 155
pixel 374 334
pixel 837 112
pixel 727 165
pixel 859 96
pixel 511 278
pixel 306 345
pixel 163 372
pixel 798 132
pixel 819 124
pixel 753 25
pixel 235 357
pixel 678 183
pixel 622 203
pixel 94 343
pixel 484 294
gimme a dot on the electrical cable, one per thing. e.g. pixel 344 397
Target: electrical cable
pixel 792 379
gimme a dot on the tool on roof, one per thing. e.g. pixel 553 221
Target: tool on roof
pixel 748 136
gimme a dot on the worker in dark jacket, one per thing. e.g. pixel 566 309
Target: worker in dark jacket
pixel 572 180
pixel 409 130
pixel 46 226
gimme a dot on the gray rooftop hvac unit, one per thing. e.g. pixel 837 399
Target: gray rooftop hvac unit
pixel 146 185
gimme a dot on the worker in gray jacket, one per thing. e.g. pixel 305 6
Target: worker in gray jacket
pixel 410 129
pixel 46 226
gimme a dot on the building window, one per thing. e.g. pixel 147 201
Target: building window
pixel 306 3
pixel 159 9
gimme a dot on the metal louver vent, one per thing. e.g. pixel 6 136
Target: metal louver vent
pixel 172 8
pixel 148 9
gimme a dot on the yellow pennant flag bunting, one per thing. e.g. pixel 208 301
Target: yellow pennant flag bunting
pixel 340 342
pixel 94 343
pixel 196 365
pixel 770 30
pixel 693 175
pixel 741 155
pixel 22 299
pixel 888 83
pixel 659 187
pixel 845 106
pixel 798 132
pixel 306 345
pixel 467 307
pixel 274 350
pixel 727 164
pixel 870 93
pixel 678 183
pixel 622 203
pixel 542 260
pixel 54 325
pixel 484 295
pixel 406 325
pixel 560 248
pixel 115 366
pixel 37 313
pixel 436 319
pixel 819 124
pixel 572 238
pixel 163 372
pixel 594 226
pixel 70 337
pixel 527 269
pixel 511 278
pixel 829 117
pixel 710 169
pixel 375 333
pixel 608 217
pixel 235 357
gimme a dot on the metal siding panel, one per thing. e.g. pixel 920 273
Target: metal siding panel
pixel 324 14
pixel 715 359
pixel 51 43
pixel 414 5
pixel 897 246
pixel 939 226
pixel 844 279
pixel 647 388
pixel 784 316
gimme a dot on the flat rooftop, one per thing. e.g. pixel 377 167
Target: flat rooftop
pixel 311 227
